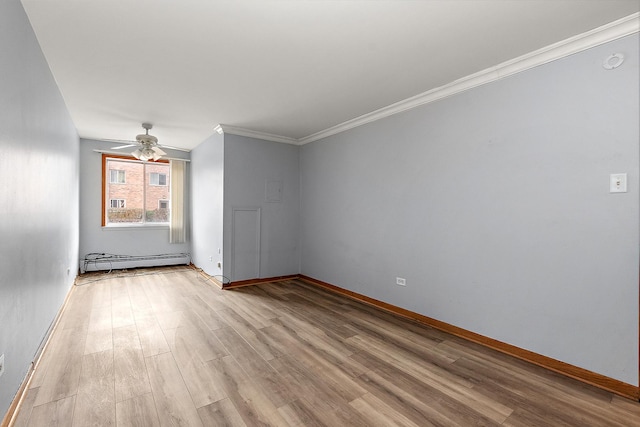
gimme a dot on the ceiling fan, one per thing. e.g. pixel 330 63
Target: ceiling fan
pixel 148 147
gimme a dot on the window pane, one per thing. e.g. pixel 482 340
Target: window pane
pixel 156 178
pixel 157 191
pixel 116 176
pixel 117 203
pixel 143 197
pixel 131 190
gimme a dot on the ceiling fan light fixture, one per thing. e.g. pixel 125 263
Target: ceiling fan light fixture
pixel 147 146
pixel 158 151
pixel 153 156
pixel 146 153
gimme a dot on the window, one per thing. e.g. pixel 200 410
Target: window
pixel 116 176
pixel 142 198
pixel 157 178
pixel 117 203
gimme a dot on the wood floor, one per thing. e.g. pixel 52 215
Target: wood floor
pixel 167 348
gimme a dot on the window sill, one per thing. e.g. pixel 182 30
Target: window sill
pixel 136 226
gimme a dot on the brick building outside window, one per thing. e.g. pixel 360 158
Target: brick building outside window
pixel 136 192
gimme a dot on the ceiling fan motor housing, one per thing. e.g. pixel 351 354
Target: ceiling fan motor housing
pixel 147 139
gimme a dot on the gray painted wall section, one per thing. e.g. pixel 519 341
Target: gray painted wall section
pixel 119 241
pixel 207 171
pixel 249 165
pixel 494 205
pixel 39 198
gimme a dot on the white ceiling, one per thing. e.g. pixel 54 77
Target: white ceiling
pixel 289 68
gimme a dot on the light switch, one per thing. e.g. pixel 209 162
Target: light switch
pixel 618 183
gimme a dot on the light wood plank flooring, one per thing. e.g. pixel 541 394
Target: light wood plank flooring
pixel 165 347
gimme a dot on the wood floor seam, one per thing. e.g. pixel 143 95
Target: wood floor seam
pixel 167 348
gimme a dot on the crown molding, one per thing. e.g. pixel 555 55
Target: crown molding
pixel 596 37
pixel 606 33
pixel 254 134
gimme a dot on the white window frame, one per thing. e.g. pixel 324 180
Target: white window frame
pixel 105 206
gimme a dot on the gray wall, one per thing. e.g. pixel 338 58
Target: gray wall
pixel 207 173
pixel 153 240
pixel 38 198
pixel 494 205
pixel 248 164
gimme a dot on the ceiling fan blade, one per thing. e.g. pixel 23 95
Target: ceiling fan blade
pixel 159 151
pixel 124 146
pixel 117 141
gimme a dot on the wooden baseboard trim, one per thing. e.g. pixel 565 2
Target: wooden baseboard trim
pixel 606 383
pixel 8 419
pixel 250 282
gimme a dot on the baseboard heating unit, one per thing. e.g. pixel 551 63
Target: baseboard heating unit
pixel 105 261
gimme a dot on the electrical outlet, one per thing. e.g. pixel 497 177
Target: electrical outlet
pixel 400 281
pixel 1 364
pixel 219 264
pixel 210 257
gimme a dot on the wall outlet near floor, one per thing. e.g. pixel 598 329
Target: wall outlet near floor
pixel 219 264
pixel 400 281
pixel 1 364
pixel 210 257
